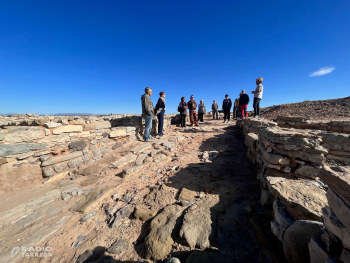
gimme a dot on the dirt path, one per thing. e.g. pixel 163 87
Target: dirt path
pixel 227 175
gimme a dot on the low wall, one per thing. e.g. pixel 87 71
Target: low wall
pixel 33 147
pixel 297 184
pixel 302 123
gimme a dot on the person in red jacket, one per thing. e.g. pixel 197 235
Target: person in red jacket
pixel 243 103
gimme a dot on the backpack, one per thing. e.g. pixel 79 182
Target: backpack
pixel 226 104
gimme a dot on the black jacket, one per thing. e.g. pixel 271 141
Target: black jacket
pixel 229 103
pixel 244 99
pixel 160 104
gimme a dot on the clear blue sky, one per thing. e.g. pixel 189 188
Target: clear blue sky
pixel 98 56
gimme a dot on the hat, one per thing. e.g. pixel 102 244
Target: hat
pixel 260 79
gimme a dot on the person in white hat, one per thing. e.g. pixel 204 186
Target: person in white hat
pixel 257 96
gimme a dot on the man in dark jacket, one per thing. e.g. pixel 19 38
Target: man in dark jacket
pixel 215 108
pixel 192 106
pixel 243 103
pixel 147 113
pixel 226 107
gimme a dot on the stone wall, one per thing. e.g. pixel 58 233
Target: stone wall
pixel 297 185
pixel 302 123
pixel 48 146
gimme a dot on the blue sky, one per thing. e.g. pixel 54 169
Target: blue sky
pixel 98 56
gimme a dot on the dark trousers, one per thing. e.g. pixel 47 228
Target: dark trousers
pixel 256 106
pixel 160 117
pixel 227 114
pixel 238 113
pixel 183 120
pixel 200 116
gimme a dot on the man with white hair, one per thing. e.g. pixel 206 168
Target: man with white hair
pixel 147 113
pixel 257 96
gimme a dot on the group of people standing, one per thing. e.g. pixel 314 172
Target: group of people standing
pixel 240 104
pixel 239 111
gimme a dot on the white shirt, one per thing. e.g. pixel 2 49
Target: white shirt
pixel 259 89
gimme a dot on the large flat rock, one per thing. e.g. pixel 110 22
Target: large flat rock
pixel 333 224
pixel 141 148
pixel 67 129
pixel 158 243
pixel 28 207
pixel 24 134
pixel 199 223
pixel 127 159
pixel 340 208
pixel 92 200
pixel 305 195
pixel 338 179
pixel 31 237
pixel 12 149
pixel 62 158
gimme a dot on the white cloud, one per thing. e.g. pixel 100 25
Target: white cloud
pixel 322 71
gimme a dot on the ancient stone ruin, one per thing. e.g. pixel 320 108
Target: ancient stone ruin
pixel 88 189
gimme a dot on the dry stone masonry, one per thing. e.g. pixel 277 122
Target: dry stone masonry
pixel 56 145
pixel 305 181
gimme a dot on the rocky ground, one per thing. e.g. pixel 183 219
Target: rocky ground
pixel 192 195
pixel 318 110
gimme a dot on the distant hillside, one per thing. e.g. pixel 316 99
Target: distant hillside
pixel 73 114
pixel 335 109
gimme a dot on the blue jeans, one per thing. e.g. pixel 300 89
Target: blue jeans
pixel 160 117
pixel 148 127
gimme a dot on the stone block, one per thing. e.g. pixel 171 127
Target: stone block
pixel 59 167
pixel 67 129
pixel 275 158
pixel 48 171
pixel 297 239
pixel 339 207
pixel 105 150
pixel 131 171
pixel 13 149
pixel 24 134
pixel 77 145
pixel 338 179
pixel 89 127
pixel 76 162
pixel 333 224
pixel 282 217
pixel 317 250
pixel 117 145
pixel 308 170
pixel 51 125
pixel 118 133
pixel 96 152
pixel 127 159
pixel 102 125
pixel 305 195
pixel 62 158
